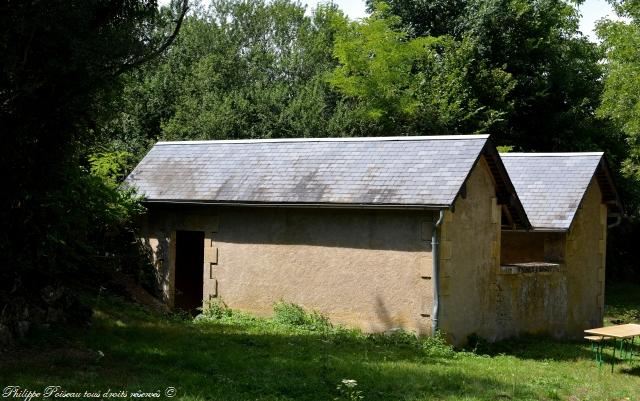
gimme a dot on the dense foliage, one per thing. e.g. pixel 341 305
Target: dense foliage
pixel 621 105
pixel 88 86
pixel 407 85
pixel 548 81
pixel 517 69
pixel 239 69
pixel 621 96
pixel 60 63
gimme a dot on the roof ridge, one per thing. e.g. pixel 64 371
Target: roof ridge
pixel 329 139
pixel 551 154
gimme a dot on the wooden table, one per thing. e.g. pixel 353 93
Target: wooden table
pixel 620 332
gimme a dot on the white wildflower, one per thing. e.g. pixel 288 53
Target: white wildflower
pixel 349 383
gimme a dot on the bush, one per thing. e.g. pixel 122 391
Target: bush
pixel 76 236
pixel 291 314
pixel 437 346
pixel 215 310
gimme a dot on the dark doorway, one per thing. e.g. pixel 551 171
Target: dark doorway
pixel 189 273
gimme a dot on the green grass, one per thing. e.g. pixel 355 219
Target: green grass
pixel 238 357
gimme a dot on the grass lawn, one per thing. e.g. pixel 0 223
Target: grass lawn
pixel 239 357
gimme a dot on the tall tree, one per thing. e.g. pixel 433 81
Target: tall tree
pixel 240 69
pixel 59 61
pixel 426 17
pixel 621 97
pixel 621 105
pixel 408 86
pixel 555 69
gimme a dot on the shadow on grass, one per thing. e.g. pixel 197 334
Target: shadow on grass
pixel 538 347
pixel 622 306
pixel 129 349
pixel 633 370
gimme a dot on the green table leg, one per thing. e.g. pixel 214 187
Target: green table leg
pixel 599 357
pixel 613 360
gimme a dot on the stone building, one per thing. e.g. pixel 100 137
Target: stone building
pixel 552 276
pixel 377 233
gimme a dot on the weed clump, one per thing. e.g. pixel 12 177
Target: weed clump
pixel 292 317
pixel 437 346
pixel 290 314
pixel 396 338
pixel 433 346
pixel 215 309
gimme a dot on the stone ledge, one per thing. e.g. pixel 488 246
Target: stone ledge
pixel 529 267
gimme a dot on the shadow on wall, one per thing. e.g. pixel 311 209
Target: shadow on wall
pixel 397 230
pixel 158 258
pixel 387 322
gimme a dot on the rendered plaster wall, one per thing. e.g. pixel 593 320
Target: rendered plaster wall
pixel 470 253
pixel 365 268
pixel 585 260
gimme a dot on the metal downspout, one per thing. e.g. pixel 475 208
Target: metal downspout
pixel 435 255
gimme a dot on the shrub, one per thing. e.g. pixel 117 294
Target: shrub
pixel 437 346
pixel 434 346
pixel 291 314
pixel 215 309
pixel 318 321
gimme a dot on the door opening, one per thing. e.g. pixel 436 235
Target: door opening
pixel 189 270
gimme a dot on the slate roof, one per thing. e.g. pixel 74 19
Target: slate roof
pixel 551 185
pixel 400 171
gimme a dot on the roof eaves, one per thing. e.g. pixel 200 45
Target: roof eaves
pixel 330 139
pixel 603 169
pixel 538 230
pixel 321 205
pixel 466 178
pixel 601 166
pixel 551 154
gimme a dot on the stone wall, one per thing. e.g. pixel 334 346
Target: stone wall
pixel 470 254
pixel 563 302
pixel 585 259
pixel 372 268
